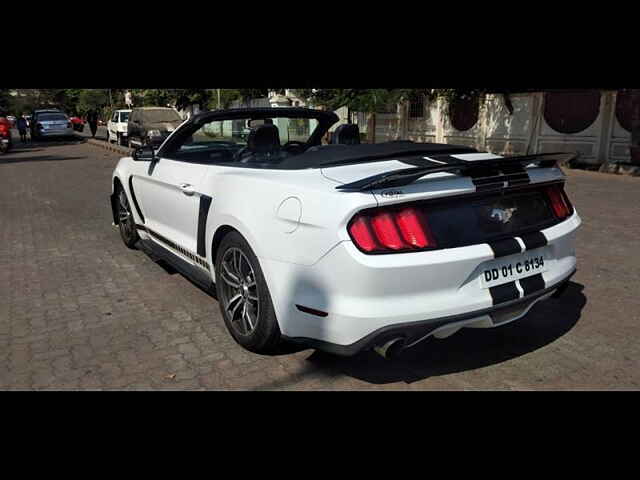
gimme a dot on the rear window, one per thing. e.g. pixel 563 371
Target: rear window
pixel 124 116
pixel 51 117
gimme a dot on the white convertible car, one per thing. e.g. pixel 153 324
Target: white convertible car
pixel 346 247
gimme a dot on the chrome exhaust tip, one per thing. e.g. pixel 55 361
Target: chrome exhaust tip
pixel 391 348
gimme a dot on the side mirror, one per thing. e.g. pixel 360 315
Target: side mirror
pixel 145 154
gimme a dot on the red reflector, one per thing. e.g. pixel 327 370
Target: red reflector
pixel 558 203
pixel 386 231
pixel 411 229
pixel 361 234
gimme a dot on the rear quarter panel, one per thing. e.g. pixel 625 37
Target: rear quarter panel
pixel 288 216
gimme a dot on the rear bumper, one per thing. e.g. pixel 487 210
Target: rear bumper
pixel 414 332
pixel 369 297
pixel 56 133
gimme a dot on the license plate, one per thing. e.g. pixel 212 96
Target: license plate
pixel 501 271
pixel 5 140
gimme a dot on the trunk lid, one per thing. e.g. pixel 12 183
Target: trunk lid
pixel 433 185
pixel 473 203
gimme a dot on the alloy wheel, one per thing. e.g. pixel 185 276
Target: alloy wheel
pixel 239 291
pixel 125 217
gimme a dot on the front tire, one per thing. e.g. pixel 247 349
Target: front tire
pixel 244 298
pixel 126 222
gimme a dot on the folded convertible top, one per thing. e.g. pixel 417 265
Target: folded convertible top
pixel 492 173
pixel 331 155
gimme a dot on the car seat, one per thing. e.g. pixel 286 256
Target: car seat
pixel 263 145
pixel 347 134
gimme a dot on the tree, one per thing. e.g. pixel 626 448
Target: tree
pixel 368 101
pixel 91 99
pixel 4 99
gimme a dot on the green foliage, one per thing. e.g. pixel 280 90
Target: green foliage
pixel 375 100
pixel 92 99
pixel 4 99
pixel 362 100
pixel 227 96
pixel 152 97
pixel 251 93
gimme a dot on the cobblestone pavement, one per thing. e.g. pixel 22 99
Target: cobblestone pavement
pixel 78 310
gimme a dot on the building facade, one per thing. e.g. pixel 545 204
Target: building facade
pixel 596 124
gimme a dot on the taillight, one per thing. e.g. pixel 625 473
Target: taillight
pixel 391 230
pixel 362 235
pixel 386 231
pixel 559 201
pixel 414 232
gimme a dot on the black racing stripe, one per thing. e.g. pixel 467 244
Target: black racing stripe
pixel 205 203
pixel 515 175
pixel 487 187
pixel 447 159
pixel 519 179
pixel 534 240
pixel 135 200
pixel 504 293
pixel 532 284
pixel 160 238
pixel 505 247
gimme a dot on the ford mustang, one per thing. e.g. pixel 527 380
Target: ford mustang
pixel 346 246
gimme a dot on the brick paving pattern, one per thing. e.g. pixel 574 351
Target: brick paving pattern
pixel 78 310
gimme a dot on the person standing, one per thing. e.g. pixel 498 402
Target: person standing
pixel 22 128
pixel 92 120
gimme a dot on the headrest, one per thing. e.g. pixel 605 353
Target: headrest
pixel 347 134
pixel 264 139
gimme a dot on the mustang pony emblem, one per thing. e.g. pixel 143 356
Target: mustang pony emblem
pixel 501 215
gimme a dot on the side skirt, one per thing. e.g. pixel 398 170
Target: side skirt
pixel 197 275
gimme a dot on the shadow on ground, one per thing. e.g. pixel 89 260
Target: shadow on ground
pixel 41 158
pixel 18 148
pixel 468 349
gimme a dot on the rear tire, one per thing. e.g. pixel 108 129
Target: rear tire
pixel 126 222
pixel 244 298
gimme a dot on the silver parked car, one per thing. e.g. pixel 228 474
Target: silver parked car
pixel 51 123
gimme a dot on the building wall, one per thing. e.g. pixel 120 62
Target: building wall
pixel 523 132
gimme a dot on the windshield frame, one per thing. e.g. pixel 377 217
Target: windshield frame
pixel 325 120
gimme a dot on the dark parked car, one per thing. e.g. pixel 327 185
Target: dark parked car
pixel 151 125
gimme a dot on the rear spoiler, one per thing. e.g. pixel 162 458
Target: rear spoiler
pixel 479 169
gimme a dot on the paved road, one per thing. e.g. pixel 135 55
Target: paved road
pixel 79 310
pixel 101 133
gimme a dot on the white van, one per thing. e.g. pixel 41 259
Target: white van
pixel 117 127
